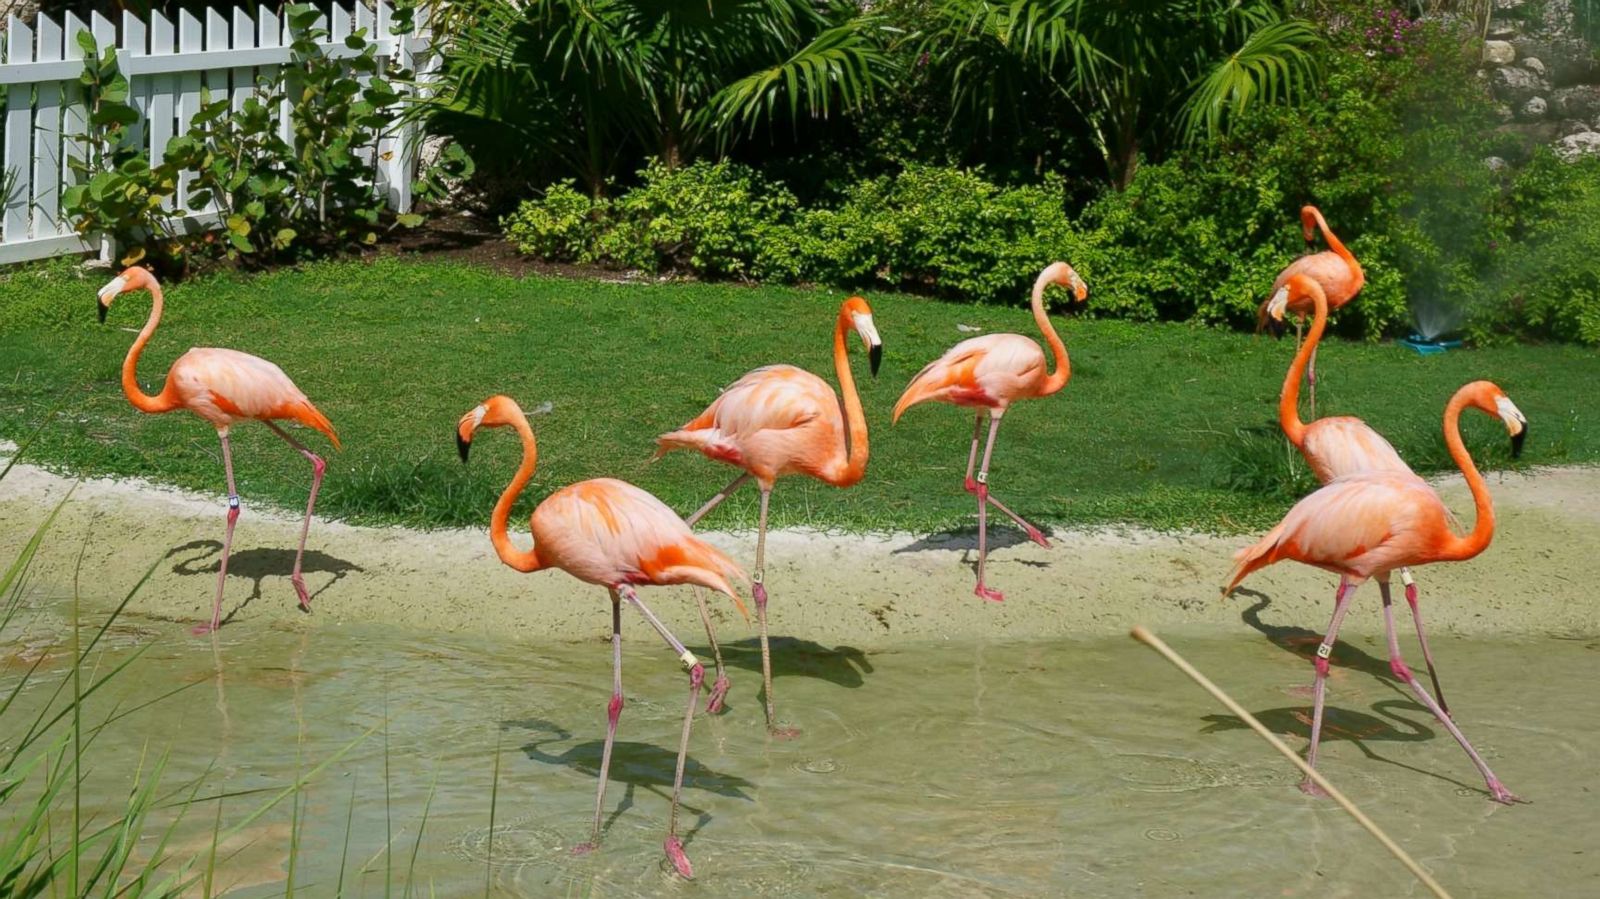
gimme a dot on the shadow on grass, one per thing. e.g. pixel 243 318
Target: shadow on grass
pixel 257 565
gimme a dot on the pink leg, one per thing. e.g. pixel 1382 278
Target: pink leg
pixel 1422 637
pixel 719 687
pixel 613 713
pixel 317 468
pixel 1496 790
pixel 971 486
pixel 227 541
pixel 1341 605
pixel 715 501
pixel 758 589
pixel 697 677
pixel 983 513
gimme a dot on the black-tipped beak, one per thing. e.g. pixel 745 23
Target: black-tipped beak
pixel 875 358
pixel 1516 442
pixel 1277 327
pixel 101 309
pixel 463 445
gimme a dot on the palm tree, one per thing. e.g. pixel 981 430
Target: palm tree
pixel 1137 73
pixel 592 82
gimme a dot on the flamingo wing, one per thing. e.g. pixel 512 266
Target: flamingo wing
pixel 1328 270
pixel 981 371
pixel 763 404
pixel 1345 445
pixel 605 531
pixel 224 386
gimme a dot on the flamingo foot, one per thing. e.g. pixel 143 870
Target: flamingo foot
pixel 300 591
pixel 200 630
pixel 674 847
pixel 1499 793
pixel 783 732
pixel 583 849
pixel 1038 537
pixel 719 691
pixel 1310 788
pixel 990 594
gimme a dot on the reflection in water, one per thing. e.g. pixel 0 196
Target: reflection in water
pixel 975 769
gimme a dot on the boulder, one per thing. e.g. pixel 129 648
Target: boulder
pixel 1516 85
pixel 1536 65
pixel 1567 60
pixel 1495 164
pixel 1579 102
pixel 1533 110
pixel 1498 53
pixel 1503 29
pixel 1509 5
pixel 1577 146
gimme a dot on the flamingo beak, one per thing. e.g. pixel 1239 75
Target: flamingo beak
pixel 465 428
pixel 463 445
pixel 1516 442
pixel 108 293
pixel 1080 290
pixel 101 309
pixel 1516 423
pixel 869 336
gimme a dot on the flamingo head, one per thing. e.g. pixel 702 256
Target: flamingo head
pixel 497 411
pixel 1273 312
pixel 132 278
pixel 1310 216
pixel 855 313
pixel 1488 396
pixel 1064 275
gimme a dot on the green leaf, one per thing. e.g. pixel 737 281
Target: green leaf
pixel 409 219
pixel 283 238
pixel 238 225
pixel 241 243
pixel 86 42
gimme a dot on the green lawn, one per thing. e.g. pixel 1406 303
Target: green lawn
pixel 1162 425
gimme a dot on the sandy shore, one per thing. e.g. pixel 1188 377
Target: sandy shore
pixel 1539 576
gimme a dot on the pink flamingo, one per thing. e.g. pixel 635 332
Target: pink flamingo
pixel 1335 270
pixel 223 387
pixel 781 420
pixel 612 534
pixel 1368 524
pixel 1340 445
pixel 991 372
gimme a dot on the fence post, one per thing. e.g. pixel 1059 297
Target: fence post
pixel 18 163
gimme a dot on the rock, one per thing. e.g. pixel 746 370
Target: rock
pixel 1495 164
pixel 1574 147
pixel 1503 29
pixel 1498 53
pixel 1516 85
pixel 1535 65
pixel 1533 110
pixel 1554 16
pixel 1504 112
pixel 1509 5
pixel 1567 60
pixel 1579 102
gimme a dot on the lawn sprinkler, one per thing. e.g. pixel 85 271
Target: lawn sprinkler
pixel 1433 319
pixel 1428 347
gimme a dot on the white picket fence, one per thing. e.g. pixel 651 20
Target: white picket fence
pixel 166 63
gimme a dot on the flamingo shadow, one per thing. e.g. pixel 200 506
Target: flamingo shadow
pixel 1358 728
pixel 965 540
pixel 846 666
pixel 634 765
pixel 257 564
pixel 1303 642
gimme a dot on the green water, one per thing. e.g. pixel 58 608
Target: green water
pixel 1065 768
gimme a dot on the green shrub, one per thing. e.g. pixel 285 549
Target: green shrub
pixel 560 227
pixel 714 219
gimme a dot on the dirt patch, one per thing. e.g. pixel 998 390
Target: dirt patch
pixel 863 591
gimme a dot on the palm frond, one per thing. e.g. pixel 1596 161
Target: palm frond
pixel 1275 63
pixel 841 68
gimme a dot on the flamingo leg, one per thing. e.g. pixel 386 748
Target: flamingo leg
pixel 971 486
pixel 1341 605
pixel 613 713
pixel 1496 789
pixel 317 468
pixel 697 677
pixel 758 589
pixel 715 501
pixel 719 687
pixel 1422 637
pixel 983 513
pixel 227 540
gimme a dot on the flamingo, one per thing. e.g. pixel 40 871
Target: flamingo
pixel 991 372
pixel 1340 445
pixel 614 535
pixel 1366 525
pixel 781 420
pixel 1335 270
pixel 223 387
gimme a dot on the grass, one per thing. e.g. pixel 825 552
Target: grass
pixel 1162 425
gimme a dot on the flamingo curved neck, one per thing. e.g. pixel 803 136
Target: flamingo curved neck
pixel 142 401
pixel 1058 379
pixel 499 534
pixel 1340 250
pixel 1459 548
pixel 855 419
pixel 1289 397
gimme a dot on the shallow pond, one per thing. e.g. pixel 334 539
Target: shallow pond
pixel 1001 769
